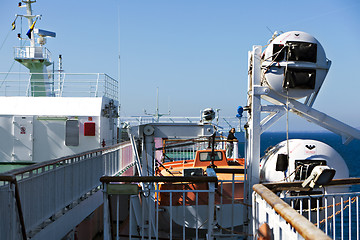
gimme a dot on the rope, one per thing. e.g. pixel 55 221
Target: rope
pixel 330 206
pixel 287 108
pixel 7 74
pixel 161 165
pixel 7 35
pixel 275 55
pixel 296 169
pixel 322 221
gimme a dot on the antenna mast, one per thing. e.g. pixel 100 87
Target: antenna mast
pixel 157 114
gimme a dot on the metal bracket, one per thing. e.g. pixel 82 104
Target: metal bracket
pixel 259 90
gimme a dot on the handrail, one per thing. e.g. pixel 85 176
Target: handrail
pixel 12 179
pixel 65 84
pixel 173 179
pixel 305 228
pixel 100 161
pixel 229 170
pixel 59 160
pixel 296 186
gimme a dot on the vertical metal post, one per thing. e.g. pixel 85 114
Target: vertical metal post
pixel 253 146
pixel 147 158
pixel 117 216
pixel 157 211
pixel 254 215
pixel 309 209
pixel 211 210
pixel 196 214
pixel 183 215
pixel 350 217
pixel 236 151
pixel 232 201
pixel 357 218
pixel 130 217
pixel 107 235
pixel 317 212
pixel 11 202
pixel 142 217
pixel 171 217
pixel 150 212
pixel 342 217
pixel 97 85
pixel 334 226
pixel 326 215
pixel 221 204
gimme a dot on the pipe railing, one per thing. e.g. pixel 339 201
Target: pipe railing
pixel 334 212
pixel 270 209
pixel 76 84
pixel 147 208
pixel 47 188
pixel 13 189
pixel 184 201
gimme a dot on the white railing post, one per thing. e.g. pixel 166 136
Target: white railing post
pixel 62 83
pixel 97 85
pixel 236 151
pixel 211 210
pixel 211 204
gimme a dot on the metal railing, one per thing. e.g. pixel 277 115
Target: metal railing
pixel 59 84
pixel 283 220
pixel 145 209
pixel 12 225
pixel 185 149
pixel 224 123
pixel 28 52
pixel 335 214
pixel 47 188
pixel 309 216
pixel 174 207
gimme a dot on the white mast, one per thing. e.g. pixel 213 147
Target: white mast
pixel 35 58
pixel 29 17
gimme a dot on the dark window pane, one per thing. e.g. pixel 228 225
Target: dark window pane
pixel 278 56
pixel 302 51
pixel 300 78
pixel 72 133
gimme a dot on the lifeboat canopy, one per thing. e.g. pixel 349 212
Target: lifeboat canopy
pixel 294 65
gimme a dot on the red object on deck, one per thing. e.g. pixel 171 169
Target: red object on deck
pixel 89 129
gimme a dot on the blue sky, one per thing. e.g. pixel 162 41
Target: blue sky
pixel 194 51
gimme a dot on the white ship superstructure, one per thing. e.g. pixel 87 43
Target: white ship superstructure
pixel 49 114
pixel 35 129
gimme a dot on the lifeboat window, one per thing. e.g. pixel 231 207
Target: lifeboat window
pixel 206 156
pixel 300 78
pixel 302 51
pixel 298 51
pixel 278 52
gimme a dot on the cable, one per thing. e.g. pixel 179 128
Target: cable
pixel 7 35
pixel 275 55
pixel 7 74
pixel 287 108
pixel 296 169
